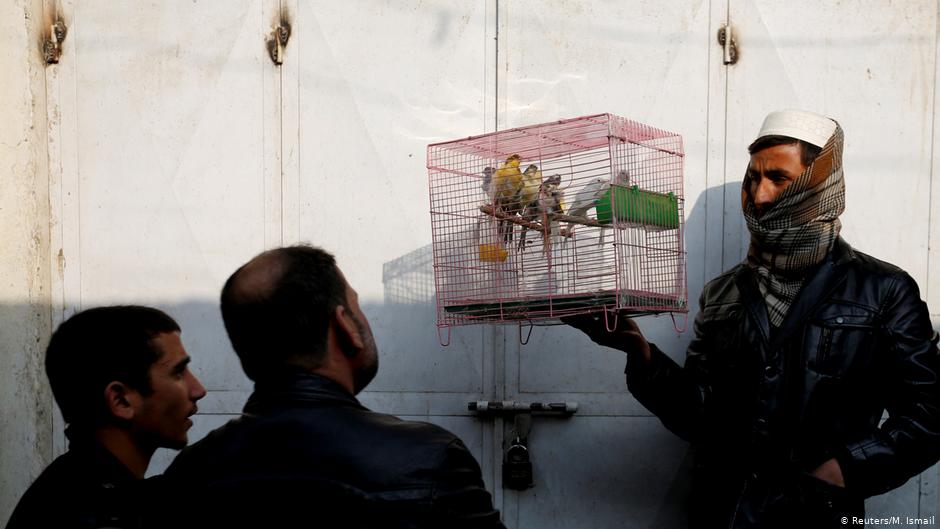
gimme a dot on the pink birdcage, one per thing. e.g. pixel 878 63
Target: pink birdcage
pixel 571 217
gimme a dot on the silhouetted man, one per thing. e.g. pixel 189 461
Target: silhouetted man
pixel 305 452
pixel 120 376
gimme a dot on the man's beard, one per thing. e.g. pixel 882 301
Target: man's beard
pixel 366 371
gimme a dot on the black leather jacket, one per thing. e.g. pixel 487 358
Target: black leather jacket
pixel 84 488
pixel 305 453
pixel 764 407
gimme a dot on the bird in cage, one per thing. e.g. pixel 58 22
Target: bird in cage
pixel 623 178
pixel 529 198
pixel 585 198
pixel 548 201
pixel 507 187
pixel 488 182
pixel 531 183
pixel 551 197
pixel 551 202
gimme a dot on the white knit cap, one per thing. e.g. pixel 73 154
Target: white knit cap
pixel 800 124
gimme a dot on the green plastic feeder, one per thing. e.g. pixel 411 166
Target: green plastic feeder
pixel 632 204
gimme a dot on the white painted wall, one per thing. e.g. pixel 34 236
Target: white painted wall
pixel 177 150
pixel 25 303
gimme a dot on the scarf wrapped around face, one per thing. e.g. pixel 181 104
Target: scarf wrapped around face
pixel 796 233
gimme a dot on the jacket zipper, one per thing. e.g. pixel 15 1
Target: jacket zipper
pixel 825 344
pixel 737 506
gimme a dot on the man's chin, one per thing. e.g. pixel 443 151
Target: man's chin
pixel 363 377
pixel 177 443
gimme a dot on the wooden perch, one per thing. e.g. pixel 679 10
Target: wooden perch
pixel 584 221
pixel 537 226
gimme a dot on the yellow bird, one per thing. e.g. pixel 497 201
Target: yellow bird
pixel 531 182
pixel 508 179
pixel 507 185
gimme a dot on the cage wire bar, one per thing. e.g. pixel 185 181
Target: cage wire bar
pixel 571 217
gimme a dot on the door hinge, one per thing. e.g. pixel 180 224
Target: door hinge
pixel 278 42
pixel 52 44
pixel 728 44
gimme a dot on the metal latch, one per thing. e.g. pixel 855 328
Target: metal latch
pixel 517 465
pixel 728 44
pixel 511 407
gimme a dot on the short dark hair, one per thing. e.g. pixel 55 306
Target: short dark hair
pixel 286 324
pixel 808 151
pixel 96 347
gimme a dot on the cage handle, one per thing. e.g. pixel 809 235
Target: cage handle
pixel 441 339
pixel 607 321
pixel 527 336
pixel 685 324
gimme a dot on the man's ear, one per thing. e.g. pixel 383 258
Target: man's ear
pixel 346 329
pixel 120 400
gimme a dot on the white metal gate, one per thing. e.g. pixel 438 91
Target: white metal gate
pixel 178 150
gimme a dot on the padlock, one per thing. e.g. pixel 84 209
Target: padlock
pixel 517 469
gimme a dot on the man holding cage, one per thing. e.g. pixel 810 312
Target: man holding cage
pixel 798 352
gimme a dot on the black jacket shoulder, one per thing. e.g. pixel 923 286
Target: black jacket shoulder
pixel 307 442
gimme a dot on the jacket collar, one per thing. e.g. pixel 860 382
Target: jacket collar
pixel 98 461
pixel 297 388
pixel 817 288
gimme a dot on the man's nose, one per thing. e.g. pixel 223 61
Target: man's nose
pixel 196 389
pixel 762 193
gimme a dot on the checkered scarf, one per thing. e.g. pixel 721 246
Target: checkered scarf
pixel 796 233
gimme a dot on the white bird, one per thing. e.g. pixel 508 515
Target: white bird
pixel 583 199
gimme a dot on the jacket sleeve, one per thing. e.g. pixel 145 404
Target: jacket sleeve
pixel 908 442
pixel 460 500
pixel 674 394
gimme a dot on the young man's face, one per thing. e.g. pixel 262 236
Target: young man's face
pixel 770 172
pixel 163 415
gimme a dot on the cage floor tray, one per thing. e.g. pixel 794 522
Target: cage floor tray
pixel 531 308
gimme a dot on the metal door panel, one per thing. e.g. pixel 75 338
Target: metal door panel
pixel 611 464
pixel 660 43
pixel 871 66
pixel 411 354
pixel 603 472
pixel 157 123
pixel 375 84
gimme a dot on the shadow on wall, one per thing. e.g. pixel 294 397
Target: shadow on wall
pixel 409 279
